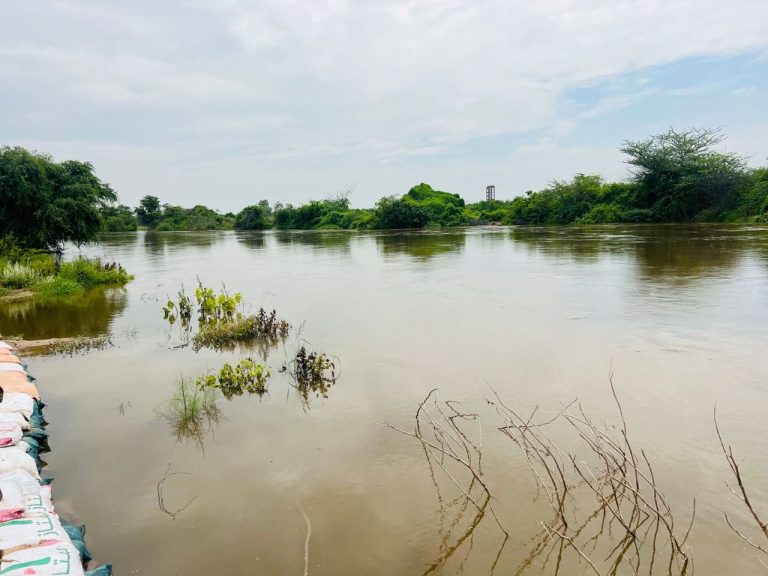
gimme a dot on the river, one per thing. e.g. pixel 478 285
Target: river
pixel 541 316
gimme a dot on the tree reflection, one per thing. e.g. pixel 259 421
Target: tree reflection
pixel 252 240
pixel 157 243
pixel 88 314
pixel 331 241
pixel 421 245
pixel 677 254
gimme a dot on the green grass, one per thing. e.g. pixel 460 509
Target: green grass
pixel 57 287
pixel 90 273
pixel 37 272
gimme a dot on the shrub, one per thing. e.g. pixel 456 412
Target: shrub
pixel 602 214
pixel 394 213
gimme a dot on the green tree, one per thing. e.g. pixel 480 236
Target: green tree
pixel 44 203
pixel 393 213
pixel 253 218
pixel 119 218
pixel 681 177
pixel 149 212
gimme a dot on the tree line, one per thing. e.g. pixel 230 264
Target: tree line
pixel 676 176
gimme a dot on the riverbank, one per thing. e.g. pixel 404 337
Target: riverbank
pixel 37 275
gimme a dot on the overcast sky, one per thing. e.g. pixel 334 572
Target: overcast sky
pixel 225 102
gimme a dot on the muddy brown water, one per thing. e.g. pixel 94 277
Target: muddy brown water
pixel 679 313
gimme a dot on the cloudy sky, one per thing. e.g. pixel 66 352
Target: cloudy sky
pixel 225 102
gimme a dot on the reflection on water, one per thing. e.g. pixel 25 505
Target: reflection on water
pixel 335 242
pixel 421 245
pixel 89 314
pixel 159 243
pixel 255 240
pixel 664 253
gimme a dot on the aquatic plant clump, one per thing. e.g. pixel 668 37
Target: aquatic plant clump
pixel 262 327
pixel 312 372
pixel 221 320
pixel 247 377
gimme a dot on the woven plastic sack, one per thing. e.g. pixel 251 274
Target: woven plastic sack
pixel 17 382
pixel 12 501
pixel 50 559
pixel 10 366
pixel 105 570
pixel 76 535
pixel 14 418
pixel 10 434
pixel 37 498
pixel 15 459
pixel 15 402
pixel 31 530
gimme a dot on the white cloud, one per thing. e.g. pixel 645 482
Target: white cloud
pixel 331 88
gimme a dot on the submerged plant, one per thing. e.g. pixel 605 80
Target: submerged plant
pixel 191 412
pixel 246 377
pixel 312 372
pixel 79 346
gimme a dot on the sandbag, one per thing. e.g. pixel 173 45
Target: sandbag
pixel 37 498
pixel 57 558
pixel 12 501
pixel 76 533
pixel 10 434
pixel 10 358
pixel 15 459
pixel 15 417
pixel 10 366
pixel 17 403
pixel 17 382
pixel 31 531
pixel 5 346
pixel 105 570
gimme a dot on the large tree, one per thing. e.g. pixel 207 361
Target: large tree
pixel 681 176
pixel 253 217
pixel 149 212
pixel 45 203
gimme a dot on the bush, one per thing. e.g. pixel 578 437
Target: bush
pixel 253 218
pixel 602 214
pixel 394 213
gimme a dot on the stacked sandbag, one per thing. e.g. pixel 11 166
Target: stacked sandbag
pixel 33 539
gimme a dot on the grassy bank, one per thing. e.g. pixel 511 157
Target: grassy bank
pixel 38 275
